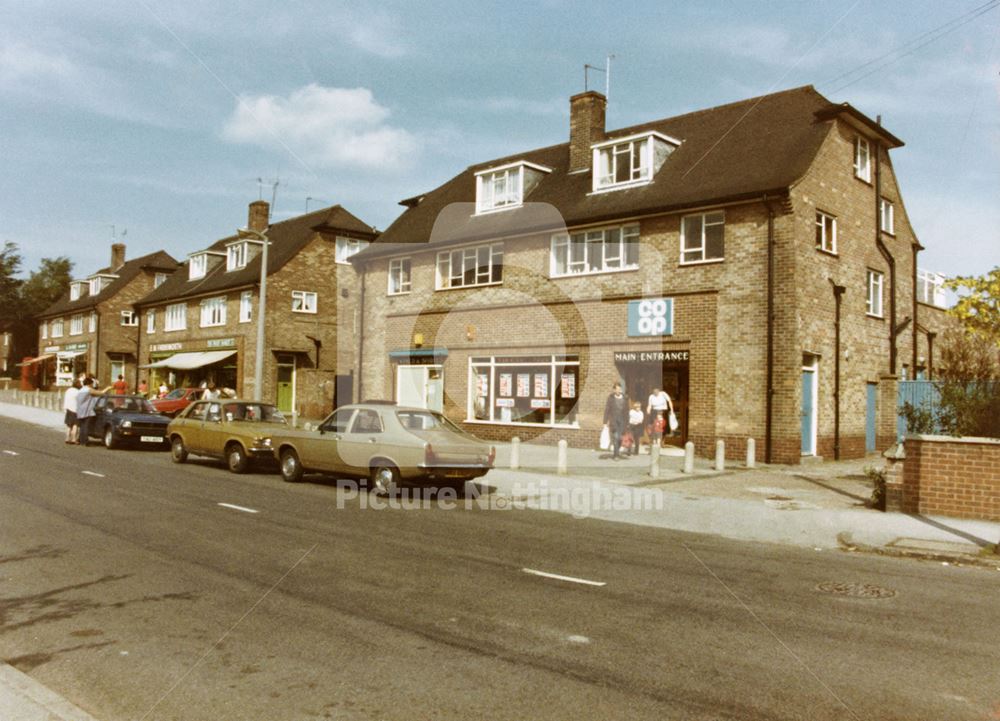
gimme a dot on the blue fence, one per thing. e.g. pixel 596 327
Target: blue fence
pixel 919 394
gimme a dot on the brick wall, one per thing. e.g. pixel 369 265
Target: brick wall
pixel 957 477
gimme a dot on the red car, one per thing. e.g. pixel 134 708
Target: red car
pixel 177 400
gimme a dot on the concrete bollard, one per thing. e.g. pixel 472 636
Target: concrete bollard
pixel 689 457
pixel 561 457
pixel 751 453
pixel 654 461
pixel 720 455
pixel 515 453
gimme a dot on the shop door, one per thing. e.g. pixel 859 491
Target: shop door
pixel 420 387
pixel 870 408
pixel 809 410
pixel 675 383
pixel 286 384
pixel 117 368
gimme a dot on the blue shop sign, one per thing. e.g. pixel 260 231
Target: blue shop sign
pixel 651 317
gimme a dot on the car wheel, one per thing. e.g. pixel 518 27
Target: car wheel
pixel 109 438
pixel 384 480
pixel 178 453
pixel 236 458
pixel 291 467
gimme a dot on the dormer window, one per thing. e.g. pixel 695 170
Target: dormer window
pixel 76 289
pixel 98 283
pixel 198 266
pixel 629 161
pixel 237 255
pixel 346 247
pixel 506 186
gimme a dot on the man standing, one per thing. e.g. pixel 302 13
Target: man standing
pixel 85 402
pixel 616 418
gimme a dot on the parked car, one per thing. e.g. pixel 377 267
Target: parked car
pixel 234 430
pixel 386 443
pixel 177 400
pixel 127 419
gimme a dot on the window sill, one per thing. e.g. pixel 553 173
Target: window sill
pixel 569 426
pixel 629 269
pixel 874 316
pixel 467 287
pixel 863 180
pixel 824 251
pixel 710 261
pixel 402 292
pixel 304 312
pixel 490 211
pixel 621 186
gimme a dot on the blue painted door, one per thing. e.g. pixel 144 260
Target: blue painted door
pixel 808 403
pixel 870 408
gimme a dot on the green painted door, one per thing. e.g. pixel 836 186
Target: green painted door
pixel 286 384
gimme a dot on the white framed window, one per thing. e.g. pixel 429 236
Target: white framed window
pixel 237 255
pixel 930 288
pixel 93 322
pixel 303 301
pixel 624 163
pixel 346 247
pixel 246 306
pixel 96 285
pixel 158 279
pixel 703 237
pixel 76 325
pixel 175 317
pixel 862 159
pixel 873 293
pixel 128 317
pixel 76 289
pixel 468 267
pixel 399 276
pixel 197 266
pixel 524 390
pixel 887 219
pixel 150 321
pixel 57 328
pixel 826 232
pixel 45 330
pixel 499 189
pixel 595 251
pixel 213 312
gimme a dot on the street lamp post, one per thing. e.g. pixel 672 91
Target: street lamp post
pixel 258 369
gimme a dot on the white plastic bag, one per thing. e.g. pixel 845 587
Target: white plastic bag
pixel 673 422
pixel 605 443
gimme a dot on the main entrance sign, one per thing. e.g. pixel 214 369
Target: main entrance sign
pixel 652 356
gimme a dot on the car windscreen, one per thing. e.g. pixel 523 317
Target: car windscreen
pixel 425 421
pixel 131 404
pixel 252 412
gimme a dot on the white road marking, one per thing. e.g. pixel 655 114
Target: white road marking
pixel 578 639
pixel 12 453
pixel 238 508
pixel 557 577
pixel 91 473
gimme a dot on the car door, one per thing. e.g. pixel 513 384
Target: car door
pixel 192 428
pixel 320 450
pixel 213 430
pixel 362 441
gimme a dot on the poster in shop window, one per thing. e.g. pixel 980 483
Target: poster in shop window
pixel 523 385
pixel 541 385
pixel 568 385
pixel 482 385
pixel 506 384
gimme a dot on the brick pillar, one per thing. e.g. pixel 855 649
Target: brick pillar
pixel 888 400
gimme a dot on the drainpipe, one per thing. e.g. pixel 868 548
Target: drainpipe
pixel 838 293
pixel 361 336
pixel 890 261
pixel 97 347
pixel 913 286
pixel 138 345
pixel 930 355
pixel 768 419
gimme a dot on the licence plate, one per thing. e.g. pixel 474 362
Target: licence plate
pixel 151 439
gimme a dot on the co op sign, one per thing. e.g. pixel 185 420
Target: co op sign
pixel 651 317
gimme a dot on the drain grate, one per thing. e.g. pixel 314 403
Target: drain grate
pixel 855 590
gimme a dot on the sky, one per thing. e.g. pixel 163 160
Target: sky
pixel 156 123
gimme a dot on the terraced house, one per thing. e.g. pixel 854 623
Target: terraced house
pixel 93 328
pixel 201 325
pixel 754 259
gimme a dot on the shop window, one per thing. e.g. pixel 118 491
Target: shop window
pixel 826 233
pixel 303 301
pixel 595 251
pixel 399 276
pixel 703 237
pixel 536 390
pixel 468 267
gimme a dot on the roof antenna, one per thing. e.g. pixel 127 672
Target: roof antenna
pixel 274 198
pixel 607 75
pixel 260 188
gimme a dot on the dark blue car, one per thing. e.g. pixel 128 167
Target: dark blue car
pixel 121 420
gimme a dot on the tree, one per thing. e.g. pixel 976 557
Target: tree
pixel 978 306
pixel 10 284
pixel 45 285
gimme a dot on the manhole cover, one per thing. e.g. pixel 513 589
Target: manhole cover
pixel 855 590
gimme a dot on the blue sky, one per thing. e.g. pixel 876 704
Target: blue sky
pixel 159 117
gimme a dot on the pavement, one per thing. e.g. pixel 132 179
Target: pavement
pixel 819 505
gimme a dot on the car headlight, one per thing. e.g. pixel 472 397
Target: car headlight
pixel 263 442
pixel 126 424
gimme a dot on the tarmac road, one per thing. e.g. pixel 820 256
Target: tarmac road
pixel 127 588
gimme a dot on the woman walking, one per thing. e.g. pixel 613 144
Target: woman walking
pixel 69 406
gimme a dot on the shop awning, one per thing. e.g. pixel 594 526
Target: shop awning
pixel 187 361
pixel 39 359
pixel 419 353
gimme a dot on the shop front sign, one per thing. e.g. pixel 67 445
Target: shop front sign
pixel 652 356
pixel 158 347
pixel 650 317
pixel 221 342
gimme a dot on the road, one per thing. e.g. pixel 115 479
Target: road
pixel 126 587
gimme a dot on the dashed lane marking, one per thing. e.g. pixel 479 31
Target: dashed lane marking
pixel 557 577
pixel 238 508
pixel 11 453
pixel 92 473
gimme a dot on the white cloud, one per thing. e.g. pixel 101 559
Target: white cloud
pixel 331 127
pixel 377 33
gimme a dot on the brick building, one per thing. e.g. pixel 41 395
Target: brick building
pixel 92 328
pixel 754 259
pixel 201 325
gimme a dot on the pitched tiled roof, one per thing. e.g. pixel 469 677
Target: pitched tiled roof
pixel 727 153
pixel 160 261
pixel 287 237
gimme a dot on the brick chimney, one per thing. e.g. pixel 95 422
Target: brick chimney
pixel 259 212
pixel 586 126
pixel 117 256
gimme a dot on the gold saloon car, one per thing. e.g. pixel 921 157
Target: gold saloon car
pixel 234 430
pixel 387 444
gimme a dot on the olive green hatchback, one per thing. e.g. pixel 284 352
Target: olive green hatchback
pixel 236 431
